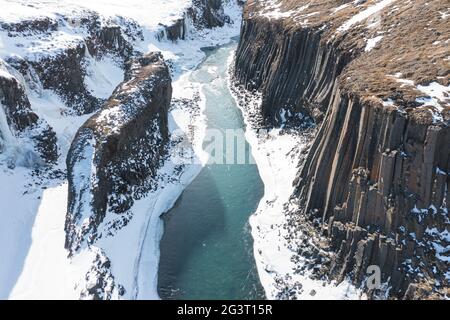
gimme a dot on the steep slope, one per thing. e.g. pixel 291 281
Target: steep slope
pixel 19 122
pixel 375 180
pixel 118 150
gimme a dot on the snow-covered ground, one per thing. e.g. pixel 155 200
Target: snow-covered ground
pixel 149 13
pixel 277 155
pixel 364 14
pixel 34 261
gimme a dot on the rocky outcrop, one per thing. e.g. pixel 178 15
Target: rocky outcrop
pixel 378 181
pixel 202 14
pixel 61 66
pixel 265 59
pixel 23 123
pixel 376 178
pixel 116 153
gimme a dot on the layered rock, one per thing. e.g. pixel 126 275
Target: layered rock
pixel 117 152
pixel 375 180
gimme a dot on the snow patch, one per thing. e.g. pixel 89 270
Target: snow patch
pixel 371 43
pixel 365 14
pixel 277 156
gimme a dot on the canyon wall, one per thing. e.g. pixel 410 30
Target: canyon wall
pixel 117 151
pixel 202 14
pixel 38 145
pixel 291 67
pixel 375 181
pixel 63 69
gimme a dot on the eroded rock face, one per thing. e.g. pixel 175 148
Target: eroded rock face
pixel 208 13
pixel 60 64
pixel 23 123
pixel 376 179
pixel 116 153
pixel 203 14
pixel 293 70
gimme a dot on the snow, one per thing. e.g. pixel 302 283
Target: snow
pixel 85 180
pixel 277 157
pixel 361 16
pixel 441 243
pixel 47 273
pixel 341 7
pixel 272 10
pixel 102 76
pixel 371 43
pixel 149 13
pixel 17 213
pixel 435 95
pixel 4 73
pixel 7 138
pixel 438 94
pixel 37 265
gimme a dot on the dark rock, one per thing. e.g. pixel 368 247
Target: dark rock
pixel 203 14
pixel 122 146
pixel 23 121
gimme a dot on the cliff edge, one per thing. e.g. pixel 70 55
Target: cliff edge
pixel 372 78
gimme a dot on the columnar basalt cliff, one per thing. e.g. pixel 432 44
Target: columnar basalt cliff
pixel 297 71
pixel 375 182
pixel 117 151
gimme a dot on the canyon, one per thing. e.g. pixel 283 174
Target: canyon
pixel 346 110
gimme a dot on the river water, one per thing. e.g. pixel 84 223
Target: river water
pixel 207 248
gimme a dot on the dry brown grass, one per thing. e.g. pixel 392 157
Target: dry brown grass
pixel 415 44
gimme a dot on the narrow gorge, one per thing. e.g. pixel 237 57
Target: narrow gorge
pixel 224 149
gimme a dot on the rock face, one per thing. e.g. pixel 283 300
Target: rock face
pixel 60 66
pixel 116 152
pixel 23 123
pixel 202 14
pixel 207 13
pixel 61 62
pixel 376 179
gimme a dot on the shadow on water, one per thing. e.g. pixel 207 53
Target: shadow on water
pixel 186 229
pixel 207 247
